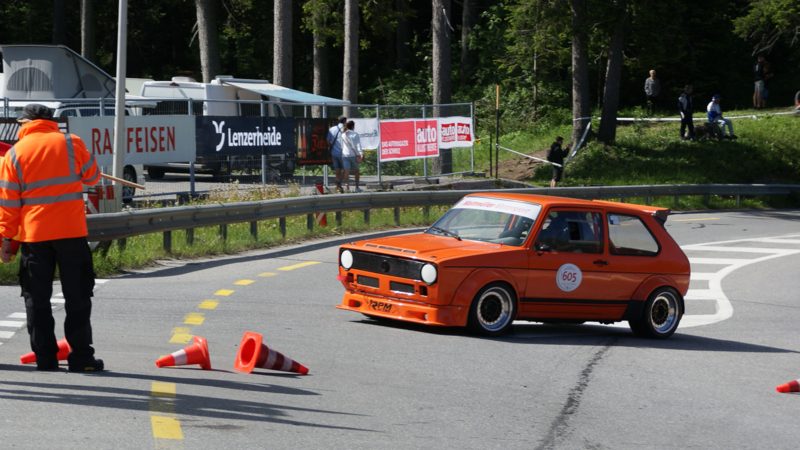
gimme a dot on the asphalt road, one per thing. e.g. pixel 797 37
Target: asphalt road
pixel 399 386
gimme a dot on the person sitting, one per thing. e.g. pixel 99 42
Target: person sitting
pixel 715 116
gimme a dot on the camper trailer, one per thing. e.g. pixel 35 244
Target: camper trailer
pixel 60 78
pixel 225 96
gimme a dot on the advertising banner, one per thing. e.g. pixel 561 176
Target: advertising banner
pixel 311 144
pixel 408 139
pixel 230 135
pixel 9 127
pixel 149 139
pixel 455 132
pixel 369 132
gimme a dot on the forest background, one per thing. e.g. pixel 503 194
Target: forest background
pixel 553 59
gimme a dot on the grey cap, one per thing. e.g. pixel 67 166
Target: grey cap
pixel 35 111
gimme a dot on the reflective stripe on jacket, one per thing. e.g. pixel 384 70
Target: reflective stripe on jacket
pixel 41 180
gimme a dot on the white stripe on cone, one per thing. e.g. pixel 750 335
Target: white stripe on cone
pixel 271 359
pixel 180 358
pixel 287 364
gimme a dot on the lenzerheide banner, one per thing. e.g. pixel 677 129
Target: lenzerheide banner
pixel 230 135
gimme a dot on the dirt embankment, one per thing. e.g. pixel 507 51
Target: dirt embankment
pixel 519 168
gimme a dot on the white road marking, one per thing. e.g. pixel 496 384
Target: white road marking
pixel 18 316
pixel 11 324
pixel 57 300
pixel 778 241
pixel 7 334
pixel 717 261
pixel 701 276
pixel 715 248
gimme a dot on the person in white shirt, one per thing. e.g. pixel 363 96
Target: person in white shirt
pixel 352 155
pixel 715 115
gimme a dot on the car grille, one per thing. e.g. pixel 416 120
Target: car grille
pixel 387 265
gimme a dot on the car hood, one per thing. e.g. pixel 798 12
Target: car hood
pixel 430 247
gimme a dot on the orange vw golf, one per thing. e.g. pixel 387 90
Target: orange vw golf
pixel 495 258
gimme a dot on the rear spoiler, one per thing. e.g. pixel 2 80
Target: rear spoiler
pixel 660 214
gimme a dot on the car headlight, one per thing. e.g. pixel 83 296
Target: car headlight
pixel 428 273
pixel 346 259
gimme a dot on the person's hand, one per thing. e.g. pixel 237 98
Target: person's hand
pixel 5 252
pixel 360 158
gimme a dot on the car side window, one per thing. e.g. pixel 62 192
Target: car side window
pixel 572 232
pixel 628 235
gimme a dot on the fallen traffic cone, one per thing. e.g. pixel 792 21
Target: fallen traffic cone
pixel 197 353
pixel 63 352
pixel 792 386
pixel 255 355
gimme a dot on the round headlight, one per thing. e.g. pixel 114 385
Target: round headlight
pixel 428 273
pixel 346 258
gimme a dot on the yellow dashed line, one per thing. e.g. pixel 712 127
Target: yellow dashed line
pixel 224 292
pixel 297 266
pixel 208 304
pixel 267 274
pixel 180 335
pixel 695 220
pixel 244 282
pixel 162 416
pixel 194 319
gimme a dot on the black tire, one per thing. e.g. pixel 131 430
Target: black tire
pixel 493 310
pixel 661 316
pixel 128 174
pixel 155 173
pixel 287 168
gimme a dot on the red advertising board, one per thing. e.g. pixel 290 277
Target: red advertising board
pixel 408 139
pixel 312 144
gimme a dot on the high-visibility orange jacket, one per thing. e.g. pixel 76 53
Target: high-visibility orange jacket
pixel 41 181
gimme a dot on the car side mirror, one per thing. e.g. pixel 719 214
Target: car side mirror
pixel 540 247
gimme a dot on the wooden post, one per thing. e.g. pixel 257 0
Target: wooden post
pixel 366 216
pixel 282 226
pixel 223 231
pixel 168 242
pixel 397 215
pixel 338 218
pixel 310 221
pixel 254 229
pixel 190 236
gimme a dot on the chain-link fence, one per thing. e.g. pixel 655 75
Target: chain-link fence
pixel 208 171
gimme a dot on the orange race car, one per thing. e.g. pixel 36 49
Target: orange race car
pixel 495 258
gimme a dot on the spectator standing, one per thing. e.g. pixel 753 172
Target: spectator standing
pixel 686 109
pixel 335 144
pixel 651 89
pixel 352 155
pixel 758 75
pixel 715 116
pixel 768 75
pixel 556 155
pixel 41 192
pixel 797 100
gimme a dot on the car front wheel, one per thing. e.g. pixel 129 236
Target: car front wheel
pixel 493 309
pixel 661 316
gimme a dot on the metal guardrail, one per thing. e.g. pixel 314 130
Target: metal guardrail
pixel 133 223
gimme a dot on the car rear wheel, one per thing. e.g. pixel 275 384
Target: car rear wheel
pixel 493 309
pixel 661 316
pixel 129 174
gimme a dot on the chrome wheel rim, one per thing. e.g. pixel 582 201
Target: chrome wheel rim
pixel 664 312
pixel 494 309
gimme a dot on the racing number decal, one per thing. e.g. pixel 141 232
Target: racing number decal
pixel 568 277
pixel 380 306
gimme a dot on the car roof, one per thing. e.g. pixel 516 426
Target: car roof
pixel 549 200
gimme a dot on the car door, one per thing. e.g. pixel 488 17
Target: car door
pixel 570 275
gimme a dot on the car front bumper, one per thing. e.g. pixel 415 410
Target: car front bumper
pixel 399 309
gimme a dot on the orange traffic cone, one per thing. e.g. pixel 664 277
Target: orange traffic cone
pixel 792 386
pixel 197 353
pixel 253 354
pixel 63 352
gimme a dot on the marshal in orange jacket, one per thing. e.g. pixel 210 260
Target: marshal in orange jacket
pixel 41 181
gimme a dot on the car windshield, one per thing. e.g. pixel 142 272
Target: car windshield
pixel 488 220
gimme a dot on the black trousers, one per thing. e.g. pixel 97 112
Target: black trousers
pixel 686 121
pixel 38 261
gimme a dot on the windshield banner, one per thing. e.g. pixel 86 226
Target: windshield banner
pixel 408 139
pixel 228 135
pixel 148 139
pixel 523 209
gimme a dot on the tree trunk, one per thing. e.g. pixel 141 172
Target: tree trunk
pixel 320 71
pixel 350 87
pixel 87 31
pixel 208 38
pixel 282 44
pixel 608 121
pixel 402 36
pixel 467 55
pixel 580 70
pixel 59 22
pixel 441 74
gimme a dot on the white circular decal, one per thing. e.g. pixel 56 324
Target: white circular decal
pixel 568 277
